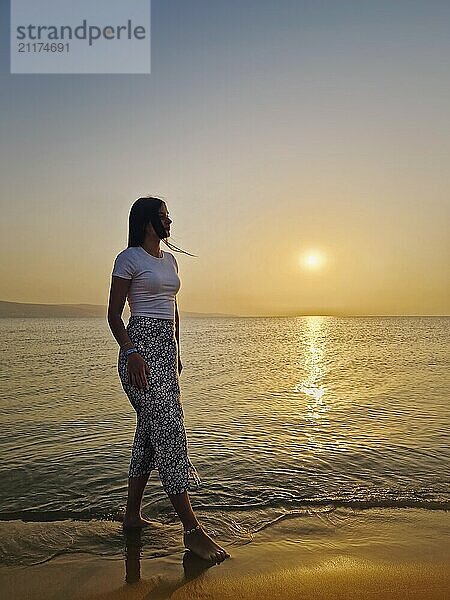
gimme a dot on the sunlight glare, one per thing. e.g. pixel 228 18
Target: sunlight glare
pixel 313 260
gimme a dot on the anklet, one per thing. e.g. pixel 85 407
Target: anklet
pixel 196 528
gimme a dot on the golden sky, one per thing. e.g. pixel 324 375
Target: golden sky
pixel 275 137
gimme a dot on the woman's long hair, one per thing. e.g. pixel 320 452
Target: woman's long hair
pixel 146 210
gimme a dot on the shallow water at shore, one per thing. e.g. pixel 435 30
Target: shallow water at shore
pixel 388 554
pixel 285 418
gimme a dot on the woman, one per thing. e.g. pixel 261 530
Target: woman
pixel 149 366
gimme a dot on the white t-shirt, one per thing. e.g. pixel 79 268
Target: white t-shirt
pixel 154 282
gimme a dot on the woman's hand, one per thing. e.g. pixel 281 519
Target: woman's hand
pixel 180 366
pixel 138 370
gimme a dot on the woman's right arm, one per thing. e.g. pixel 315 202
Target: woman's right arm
pixel 117 296
pixel 138 369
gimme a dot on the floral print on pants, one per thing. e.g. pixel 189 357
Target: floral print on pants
pixel 160 440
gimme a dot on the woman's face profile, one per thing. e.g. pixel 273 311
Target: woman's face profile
pixel 164 216
pixel 165 220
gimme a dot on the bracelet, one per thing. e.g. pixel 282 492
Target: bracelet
pixel 123 346
pixel 130 351
pixel 196 528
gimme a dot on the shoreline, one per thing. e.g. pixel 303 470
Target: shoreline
pixel 390 554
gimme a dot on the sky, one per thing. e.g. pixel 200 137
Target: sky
pixel 302 148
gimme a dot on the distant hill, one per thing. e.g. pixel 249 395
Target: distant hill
pixel 25 310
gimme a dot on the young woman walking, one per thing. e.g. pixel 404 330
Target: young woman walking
pixel 149 366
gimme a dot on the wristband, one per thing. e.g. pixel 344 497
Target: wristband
pixel 127 345
pixel 130 351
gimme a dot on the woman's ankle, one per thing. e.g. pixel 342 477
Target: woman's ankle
pixel 195 529
pixel 132 515
pixel 188 525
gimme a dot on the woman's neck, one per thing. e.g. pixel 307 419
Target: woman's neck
pixel 152 247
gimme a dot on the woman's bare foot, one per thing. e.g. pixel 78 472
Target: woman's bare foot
pixel 202 545
pixel 135 522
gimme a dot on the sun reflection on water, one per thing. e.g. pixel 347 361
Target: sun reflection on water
pixel 312 386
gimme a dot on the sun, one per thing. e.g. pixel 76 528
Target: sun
pixel 313 260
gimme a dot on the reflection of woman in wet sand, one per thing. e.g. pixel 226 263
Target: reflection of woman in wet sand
pixel 149 366
pixel 193 568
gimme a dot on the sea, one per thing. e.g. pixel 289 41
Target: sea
pixel 285 417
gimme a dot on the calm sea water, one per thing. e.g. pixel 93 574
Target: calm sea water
pixel 284 416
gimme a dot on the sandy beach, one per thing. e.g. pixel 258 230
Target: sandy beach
pixel 376 553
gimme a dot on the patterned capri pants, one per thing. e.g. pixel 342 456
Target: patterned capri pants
pixel 160 440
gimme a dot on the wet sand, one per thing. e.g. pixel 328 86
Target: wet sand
pixel 378 553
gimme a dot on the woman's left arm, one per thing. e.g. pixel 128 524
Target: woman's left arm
pixel 177 336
